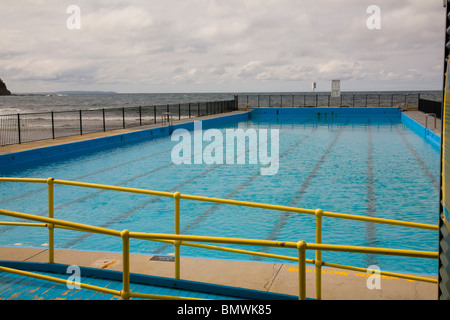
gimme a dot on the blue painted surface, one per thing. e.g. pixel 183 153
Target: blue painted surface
pixel 19 287
pixel 431 137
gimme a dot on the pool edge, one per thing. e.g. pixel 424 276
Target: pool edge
pixel 34 156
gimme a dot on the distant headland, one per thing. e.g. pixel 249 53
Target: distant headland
pixel 3 89
pixel 5 92
pixel 85 92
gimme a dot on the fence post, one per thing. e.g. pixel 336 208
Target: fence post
pixel 198 109
pixel 18 127
pixel 125 292
pixel 140 116
pixel 123 117
pixel 189 110
pixel 177 197
pixel 154 113
pixel 301 246
pixel 179 111
pixel 104 120
pixel 81 123
pixel 51 210
pixel 53 126
pixel 318 261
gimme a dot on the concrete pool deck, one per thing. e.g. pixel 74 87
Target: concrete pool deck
pixel 280 277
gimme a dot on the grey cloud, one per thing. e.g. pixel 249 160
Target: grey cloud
pixel 231 43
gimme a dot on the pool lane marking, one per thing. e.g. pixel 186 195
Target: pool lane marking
pixel 418 159
pixel 4 229
pixel 87 175
pixel 99 157
pixel 286 215
pixel 371 199
pixel 204 215
pixel 144 204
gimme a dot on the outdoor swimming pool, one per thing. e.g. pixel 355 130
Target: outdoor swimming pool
pixel 369 165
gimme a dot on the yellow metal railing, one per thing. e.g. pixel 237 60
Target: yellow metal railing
pixel 177 239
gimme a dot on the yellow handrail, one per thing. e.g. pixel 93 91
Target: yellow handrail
pixel 177 239
pixel 230 202
pixel 301 246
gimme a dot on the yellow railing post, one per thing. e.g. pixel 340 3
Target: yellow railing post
pixel 177 197
pixel 318 262
pixel 125 292
pixel 301 246
pixel 51 229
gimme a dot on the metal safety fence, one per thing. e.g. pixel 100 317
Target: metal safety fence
pixel 28 127
pixel 430 106
pixel 326 100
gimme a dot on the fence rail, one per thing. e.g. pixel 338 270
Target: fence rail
pixel 326 100
pixel 28 127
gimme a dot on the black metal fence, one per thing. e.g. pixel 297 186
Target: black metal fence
pixel 326 100
pixel 430 106
pixel 28 127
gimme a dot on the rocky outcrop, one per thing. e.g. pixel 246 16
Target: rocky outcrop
pixel 3 90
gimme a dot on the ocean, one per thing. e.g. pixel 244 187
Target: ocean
pixel 32 103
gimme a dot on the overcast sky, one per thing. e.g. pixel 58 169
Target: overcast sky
pixel 135 46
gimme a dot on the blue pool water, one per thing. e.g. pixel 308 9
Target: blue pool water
pixel 358 165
